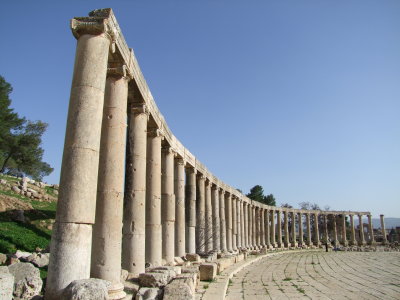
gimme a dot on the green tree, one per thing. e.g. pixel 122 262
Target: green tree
pixel 20 140
pixel 257 194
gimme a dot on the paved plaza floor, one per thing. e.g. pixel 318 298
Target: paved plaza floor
pixel 320 275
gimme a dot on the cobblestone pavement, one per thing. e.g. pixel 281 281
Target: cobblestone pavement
pixel 320 275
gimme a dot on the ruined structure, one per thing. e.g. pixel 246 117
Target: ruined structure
pixel 171 204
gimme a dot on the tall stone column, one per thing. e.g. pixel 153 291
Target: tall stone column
pixel 228 216
pixel 72 235
pixel 361 231
pixel 301 234
pixel 107 230
pixel 267 229
pixel 216 218
pixel 222 220
pixel 167 204
pixel 344 238
pixel 309 238
pixel 262 228
pixel 239 225
pixel 326 236
pixel 273 239
pixel 134 212
pixel 384 240
pixel 316 228
pixel 153 198
pixel 179 188
pixel 250 210
pixel 286 228
pixel 294 244
pixel 279 228
pixel 209 224
pixel 371 231
pixel 254 226
pixel 234 224
pixel 352 231
pixel 335 236
pixel 190 209
pixel 246 224
pixel 201 215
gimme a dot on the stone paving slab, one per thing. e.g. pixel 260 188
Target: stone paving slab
pixel 319 275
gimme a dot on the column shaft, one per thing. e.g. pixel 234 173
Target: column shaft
pixel 384 239
pixel 301 234
pixel 246 224
pixel 371 231
pixel 316 228
pixel 228 216
pixel 179 187
pixel 273 239
pixel 344 238
pixel 309 238
pixel 72 232
pixel 279 229
pixel 153 199
pixel 352 231
pixel 335 237
pixel 262 228
pixel 190 210
pixel 254 224
pixel 209 221
pixel 216 218
pixel 294 244
pixel 222 220
pixel 107 230
pixel 234 224
pixel 286 227
pixel 361 231
pixel 239 226
pixel 201 222
pixel 267 229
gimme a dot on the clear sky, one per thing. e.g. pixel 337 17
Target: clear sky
pixel 301 97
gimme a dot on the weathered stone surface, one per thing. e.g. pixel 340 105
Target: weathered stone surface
pixel 22 255
pixel 27 280
pixel 3 258
pixel 15 189
pixel 178 289
pixel 131 287
pixel 153 279
pixel 124 275
pixel 179 261
pixel 208 271
pixel 39 259
pixel 172 270
pixel 87 289
pixel 3 181
pixel 193 257
pixel 6 284
pixel 224 263
pixel 146 293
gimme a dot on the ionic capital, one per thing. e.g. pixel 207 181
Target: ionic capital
pixel 180 161
pixel 167 149
pixel 155 132
pixel 118 71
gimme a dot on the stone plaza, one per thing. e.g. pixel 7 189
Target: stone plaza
pixel 132 197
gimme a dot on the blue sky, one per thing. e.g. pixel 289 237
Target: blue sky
pixel 301 97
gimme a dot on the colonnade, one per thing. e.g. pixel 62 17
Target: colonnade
pixel 131 195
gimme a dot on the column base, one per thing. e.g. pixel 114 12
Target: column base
pixel 116 291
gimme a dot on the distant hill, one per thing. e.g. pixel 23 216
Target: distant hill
pixel 389 223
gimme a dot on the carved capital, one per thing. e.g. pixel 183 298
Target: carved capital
pixel 155 133
pixel 139 109
pixel 118 71
pixel 167 149
pixel 180 161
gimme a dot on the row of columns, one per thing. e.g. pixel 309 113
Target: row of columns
pixel 128 200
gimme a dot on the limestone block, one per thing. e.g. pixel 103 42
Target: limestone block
pixel 3 181
pixel 153 279
pixel 146 293
pixel 15 189
pixel 208 271
pixel 27 280
pixel 178 289
pixel 191 279
pixel 174 270
pixel 224 263
pixel 87 289
pixel 39 259
pixel 3 258
pixel 131 287
pixel 239 257
pixel 6 284
pixel 12 259
pixel 179 261
pixel 193 257
pixel 124 275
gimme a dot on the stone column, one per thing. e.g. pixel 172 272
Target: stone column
pixel 267 229
pixel 107 230
pixel 179 188
pixel 344 238
pixel 316 228
pixel 72 234
pixel 254 226
pixel 361 231
pixel 352 231
pixel 384 240
pixel 239 226
pixel 279 228
pixel 301 234
pixel 222 220
pixel 228 216
pixel 209 225
pixel 190 209
pixel 371 231
pixel 246 223
pixel 134 212
pixel 335 237
pixel 234 224
pixel 251 242
pixel 153 198
pixel 326 236
pixel 216 219
pixel 286 228
pixel 309 239
pixel 262 228
pixel 294 244
pixel 201 208
pixel 273 240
